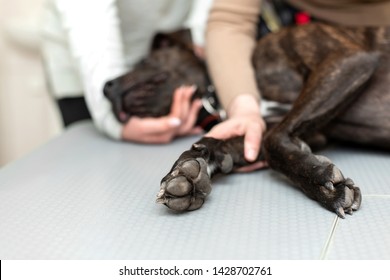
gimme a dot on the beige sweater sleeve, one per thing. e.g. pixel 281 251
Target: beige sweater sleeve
pixel 230 41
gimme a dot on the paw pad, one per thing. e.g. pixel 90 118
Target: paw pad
pixel 186 186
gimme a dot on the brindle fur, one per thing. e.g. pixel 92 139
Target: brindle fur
pixel 147 90
pixel 337 79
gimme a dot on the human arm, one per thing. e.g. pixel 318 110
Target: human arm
pixel 94 39
pixel 230 40
pixel 196 22
pixel 183 115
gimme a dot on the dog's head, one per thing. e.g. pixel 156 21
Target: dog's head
pixel 147 90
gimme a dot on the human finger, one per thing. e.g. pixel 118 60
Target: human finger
pixel 144 126
pixel 176 107
pixel 252 167
pixel 157 138
pixel 252 141
pixel 199 51
pixel 226 129
pixel 196 130
pixel 185 102
pixel 191 118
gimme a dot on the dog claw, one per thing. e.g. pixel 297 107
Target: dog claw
pixel 349 211
pixel 160 196
pixel 345 199
pixel 355 206
pixel 349 182
pixel 337 193
pixel 340 212
pixel 329 186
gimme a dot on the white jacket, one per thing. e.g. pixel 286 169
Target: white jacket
pixel 88 42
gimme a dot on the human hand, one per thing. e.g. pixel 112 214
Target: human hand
pixel 179 122
pixel 199 51
pixel 244 119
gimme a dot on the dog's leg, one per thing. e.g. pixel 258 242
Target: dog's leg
pixel 328 90
pixel 188 183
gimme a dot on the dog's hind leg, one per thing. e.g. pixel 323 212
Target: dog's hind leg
pixel 329 89
pixel 279 77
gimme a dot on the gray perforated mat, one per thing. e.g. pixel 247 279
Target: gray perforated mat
pixel 83 196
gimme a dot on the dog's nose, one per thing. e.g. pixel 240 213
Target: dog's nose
pixel 109 88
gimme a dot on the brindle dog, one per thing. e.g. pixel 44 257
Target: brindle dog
pixel 147 90
pixel 337 80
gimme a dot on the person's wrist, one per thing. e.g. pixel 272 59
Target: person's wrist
pixel 124 135
pixel 243 104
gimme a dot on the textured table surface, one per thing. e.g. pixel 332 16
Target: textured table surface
pixel 83 196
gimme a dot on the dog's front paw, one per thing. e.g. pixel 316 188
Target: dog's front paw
pixel 186 186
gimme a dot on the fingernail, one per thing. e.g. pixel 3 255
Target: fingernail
pixel 198 103
pixel 251 155
pixel 193 88
pixel 174 122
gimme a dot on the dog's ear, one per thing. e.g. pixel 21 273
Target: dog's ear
pixel 181 37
